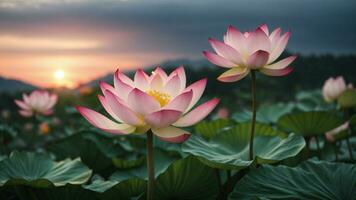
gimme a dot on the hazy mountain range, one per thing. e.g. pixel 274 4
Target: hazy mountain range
pixel 11 85
pixel 310 72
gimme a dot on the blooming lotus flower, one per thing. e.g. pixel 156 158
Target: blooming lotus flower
pixel 159 102
pixel 255 50
pixel 333 88
pixel 38 102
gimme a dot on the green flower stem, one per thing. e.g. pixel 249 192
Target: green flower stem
pixel 222 193
pixel 347 117
pixel 228 182
pixel 349 148
pixel 336 152
pixel 150 166
pixel 3 145
pixel 252 134
pixel 317 146
pixel 218 177
pixel 307 146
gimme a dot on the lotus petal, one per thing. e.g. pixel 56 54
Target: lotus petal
pixel 171 134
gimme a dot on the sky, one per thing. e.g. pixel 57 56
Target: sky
pixel 66 42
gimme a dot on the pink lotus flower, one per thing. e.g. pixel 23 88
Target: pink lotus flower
pixel 159 102
pixel 255 50
pixel 38 102
pixel 333 88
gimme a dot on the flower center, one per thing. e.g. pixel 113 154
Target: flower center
pixel 161 97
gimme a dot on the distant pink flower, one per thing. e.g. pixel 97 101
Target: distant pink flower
pixel 38 102
pixel 159 102
pixel 255 50
pixel 223 113
pixel 330 135
pixel 333 88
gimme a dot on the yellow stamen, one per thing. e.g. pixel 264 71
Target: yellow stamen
pixel 161 97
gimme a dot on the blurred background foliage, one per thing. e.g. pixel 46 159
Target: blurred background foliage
pixel 112 166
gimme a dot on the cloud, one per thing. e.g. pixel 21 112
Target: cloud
pixel 46 44
pixel 181 26
pixel 28 4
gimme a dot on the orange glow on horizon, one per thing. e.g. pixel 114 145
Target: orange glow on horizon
pixel 36 60
pixel 40 69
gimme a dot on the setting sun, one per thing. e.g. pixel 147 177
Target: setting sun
pixel 62 79
pixel 59 74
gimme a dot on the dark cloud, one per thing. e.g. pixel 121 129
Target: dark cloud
pixel 182 26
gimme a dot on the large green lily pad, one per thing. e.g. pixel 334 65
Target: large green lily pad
pixel 39 170
pixel 130 183
pixel 230 149
pixel 310 180
pixel 271 113
pixel 266 113
pixel 187 178
pixel 311 101
pixel 209 129
pixel 347 99
pixel 344 153
pixel 96 151
pixel 129 162
pixel 309 123
pixel 114 189
pixel 162 160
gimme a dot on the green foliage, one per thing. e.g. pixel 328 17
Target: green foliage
pixel 39 170
pixel 347 99
pixel 188 171
pixel 187 179
pixel 209 129
pixel 352 123
pixel 95 150
pixel 265 113
pixel 312 179
pixel 311 101
pixel 179 180
pixel 230 149
pixel 67 192
pixel 309 123
pixel 130 162
pixel 112 189
pixel 162 160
